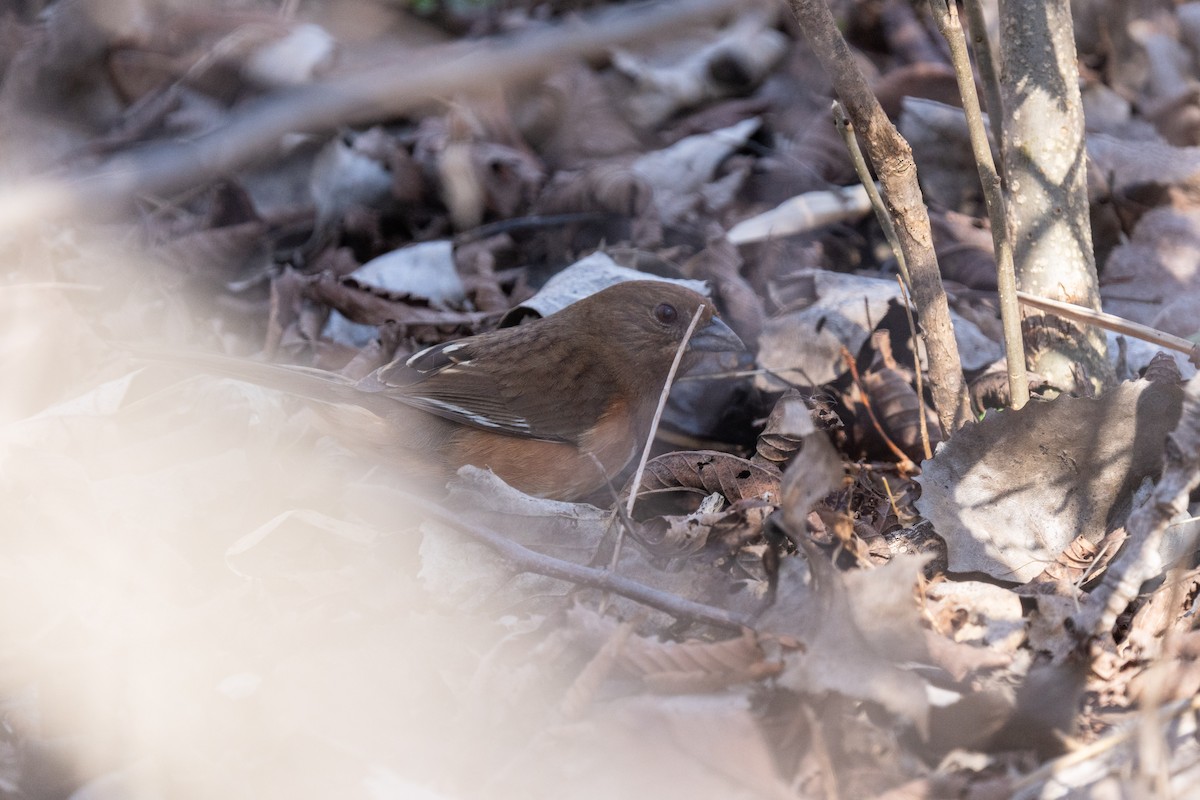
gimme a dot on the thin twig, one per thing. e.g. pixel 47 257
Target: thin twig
pixel 846 128
pixel 985 61
pixel 912 328
pixel 892 158
pixel 1112 322
pixel 662 403
pixel 946 16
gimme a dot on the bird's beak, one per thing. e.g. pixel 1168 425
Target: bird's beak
pixel 715 337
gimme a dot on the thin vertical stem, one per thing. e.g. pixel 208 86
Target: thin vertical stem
pixel 846 128
pixel 946 16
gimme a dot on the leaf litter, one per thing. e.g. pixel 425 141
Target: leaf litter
pixel 208 593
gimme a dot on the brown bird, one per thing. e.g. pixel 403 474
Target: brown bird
pixel 553 407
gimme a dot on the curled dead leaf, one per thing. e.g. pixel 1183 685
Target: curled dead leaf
pixel 783 435
pixel 708 471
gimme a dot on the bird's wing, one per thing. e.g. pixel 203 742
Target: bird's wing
pixel 464 382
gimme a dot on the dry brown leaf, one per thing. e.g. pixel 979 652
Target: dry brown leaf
pixel 965 252
pixel 1009 493
pixel 826 311
pixel 367 305
pixel 674 536
pixel 1168 608
pixel 219 255
pixel 734 62
pixel 854 629
pixel 963 660
pixel 720 264
pixel 585 686
pixel 1174 675
pixel 701 748
pixel 350 171
pixel 678 174
pixel 974 612
pixel 573 120
pixel 678 667
pixel 1081 561
pixel 927 78
pixel 623 200
pixel 942 149
pixel 470 575
pixel 896 406
pixel 708 471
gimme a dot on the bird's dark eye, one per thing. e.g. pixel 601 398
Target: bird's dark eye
pixel 665 313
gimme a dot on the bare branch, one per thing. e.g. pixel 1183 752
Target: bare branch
pixel 893 161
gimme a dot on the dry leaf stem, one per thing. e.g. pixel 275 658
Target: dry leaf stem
pixel 658 411
pixel 636 484
pixel 912 328
pixel 948 23
pixel 892 158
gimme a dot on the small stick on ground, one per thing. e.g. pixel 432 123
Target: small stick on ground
pixel 526 560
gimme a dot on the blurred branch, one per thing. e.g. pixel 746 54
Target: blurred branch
pixel 378 92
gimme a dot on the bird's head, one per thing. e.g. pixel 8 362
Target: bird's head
pixel 649 319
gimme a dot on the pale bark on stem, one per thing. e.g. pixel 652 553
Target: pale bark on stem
pixel 946 16
pixel 893 161
pixel 985 62
pixel 1045 175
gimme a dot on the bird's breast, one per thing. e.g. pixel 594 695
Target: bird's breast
pixel 555 470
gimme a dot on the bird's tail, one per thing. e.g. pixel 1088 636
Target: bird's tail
pixel 369 422
pixel 307 382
